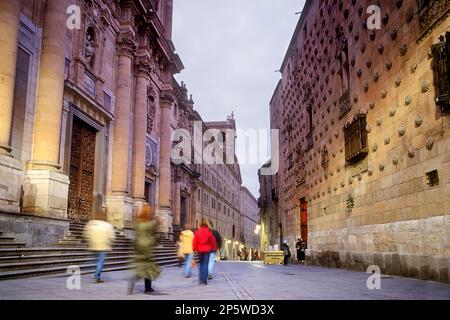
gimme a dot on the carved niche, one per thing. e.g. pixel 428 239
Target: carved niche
pixel 150 108
pixel 431 13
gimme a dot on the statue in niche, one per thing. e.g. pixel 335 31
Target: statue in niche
pixel 150 109
pixel 89 50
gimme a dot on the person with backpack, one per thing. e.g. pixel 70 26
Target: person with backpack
pixel 213 255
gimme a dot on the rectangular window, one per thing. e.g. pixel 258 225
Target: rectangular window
pixel 355 136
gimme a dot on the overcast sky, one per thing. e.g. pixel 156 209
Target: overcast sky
pixel 231 50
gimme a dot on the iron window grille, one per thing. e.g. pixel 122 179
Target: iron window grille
pixel 356 139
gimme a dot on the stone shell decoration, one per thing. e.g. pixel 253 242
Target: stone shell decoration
pixel 425 86
pixel 408 100
pixel 418 121
pixel 401 131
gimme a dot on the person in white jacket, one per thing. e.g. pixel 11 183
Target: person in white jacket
pixel 99 235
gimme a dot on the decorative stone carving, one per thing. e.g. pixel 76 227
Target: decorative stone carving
pixel 381 166
pixel 393 34
pixel 150 109
pixel 409 15
pixel 383 93
pixel 374 147
pixel 403 49
pixel 418 121
pixel 126 44
pixel 366 87
pixel 392 111
pixel 408 100
pixel 388 65
pixel 430 143
pixel 89 51
pixel 397 81
pixel 413 67
pixel 376 77
pixel 411 152
pixel 425 85
pixel 381 49
pixel 379 121
pixel 387 140
pixel 372 105
pixel 401 131
pixel 370 171
pixel 395 160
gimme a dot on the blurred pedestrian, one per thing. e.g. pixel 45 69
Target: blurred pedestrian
pixel 286 252
pixel 99 235
pixel 186 240
pixel 144 245
pixel 204 242
pixel 213 255
pixel 180 254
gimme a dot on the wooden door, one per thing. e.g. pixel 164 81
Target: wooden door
pixel 304 219
pixel 82 164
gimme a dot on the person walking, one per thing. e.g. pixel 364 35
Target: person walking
pixel 213 255
pixel 298 247
pixel 286 252
pixel 144 245
pixel 186 240
pixel 204 242
pixel 302 250
pixel 99 235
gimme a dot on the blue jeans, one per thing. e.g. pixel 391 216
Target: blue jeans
pixel 204 260
pixel 101 255
pixel 212 260
pixel 188 264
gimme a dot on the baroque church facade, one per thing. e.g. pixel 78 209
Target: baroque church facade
pixel 86 121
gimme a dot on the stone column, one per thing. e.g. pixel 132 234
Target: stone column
pixel 142 73
pixel 177 205
pixel 10 168
pixel 120 204
pixel 45 188
pixel 9 26
pixel 164 212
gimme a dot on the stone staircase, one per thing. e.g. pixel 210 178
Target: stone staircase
pixel 18 261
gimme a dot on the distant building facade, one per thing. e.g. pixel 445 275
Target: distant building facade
pixel 250 219
pixel 364 124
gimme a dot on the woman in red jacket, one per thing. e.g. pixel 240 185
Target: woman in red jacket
pixel 204 242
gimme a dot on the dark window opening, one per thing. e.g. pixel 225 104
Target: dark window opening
pixel 432 178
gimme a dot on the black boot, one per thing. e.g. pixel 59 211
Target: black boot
pixel 148 286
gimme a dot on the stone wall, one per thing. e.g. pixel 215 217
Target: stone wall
pixel 32 230
pixel 382 209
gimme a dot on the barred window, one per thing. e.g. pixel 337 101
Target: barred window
pixel 441 67
pixel 356 139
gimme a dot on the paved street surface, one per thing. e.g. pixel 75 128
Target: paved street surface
pixel 233 281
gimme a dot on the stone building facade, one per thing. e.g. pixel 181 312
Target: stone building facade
pixel 363 115
pixel 249 219
pixel 88 106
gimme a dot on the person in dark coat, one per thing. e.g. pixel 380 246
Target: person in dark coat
pixel 144 264
pixel 286 252
pixel 204 242
pixel 301 250
pixel 213 255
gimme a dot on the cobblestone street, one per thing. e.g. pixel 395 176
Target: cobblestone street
pixel 233 281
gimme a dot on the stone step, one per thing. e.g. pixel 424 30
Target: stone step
pixel 8 244
pixel 85 268
pixel 79 255
pixel 61 250
pixel 6 239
